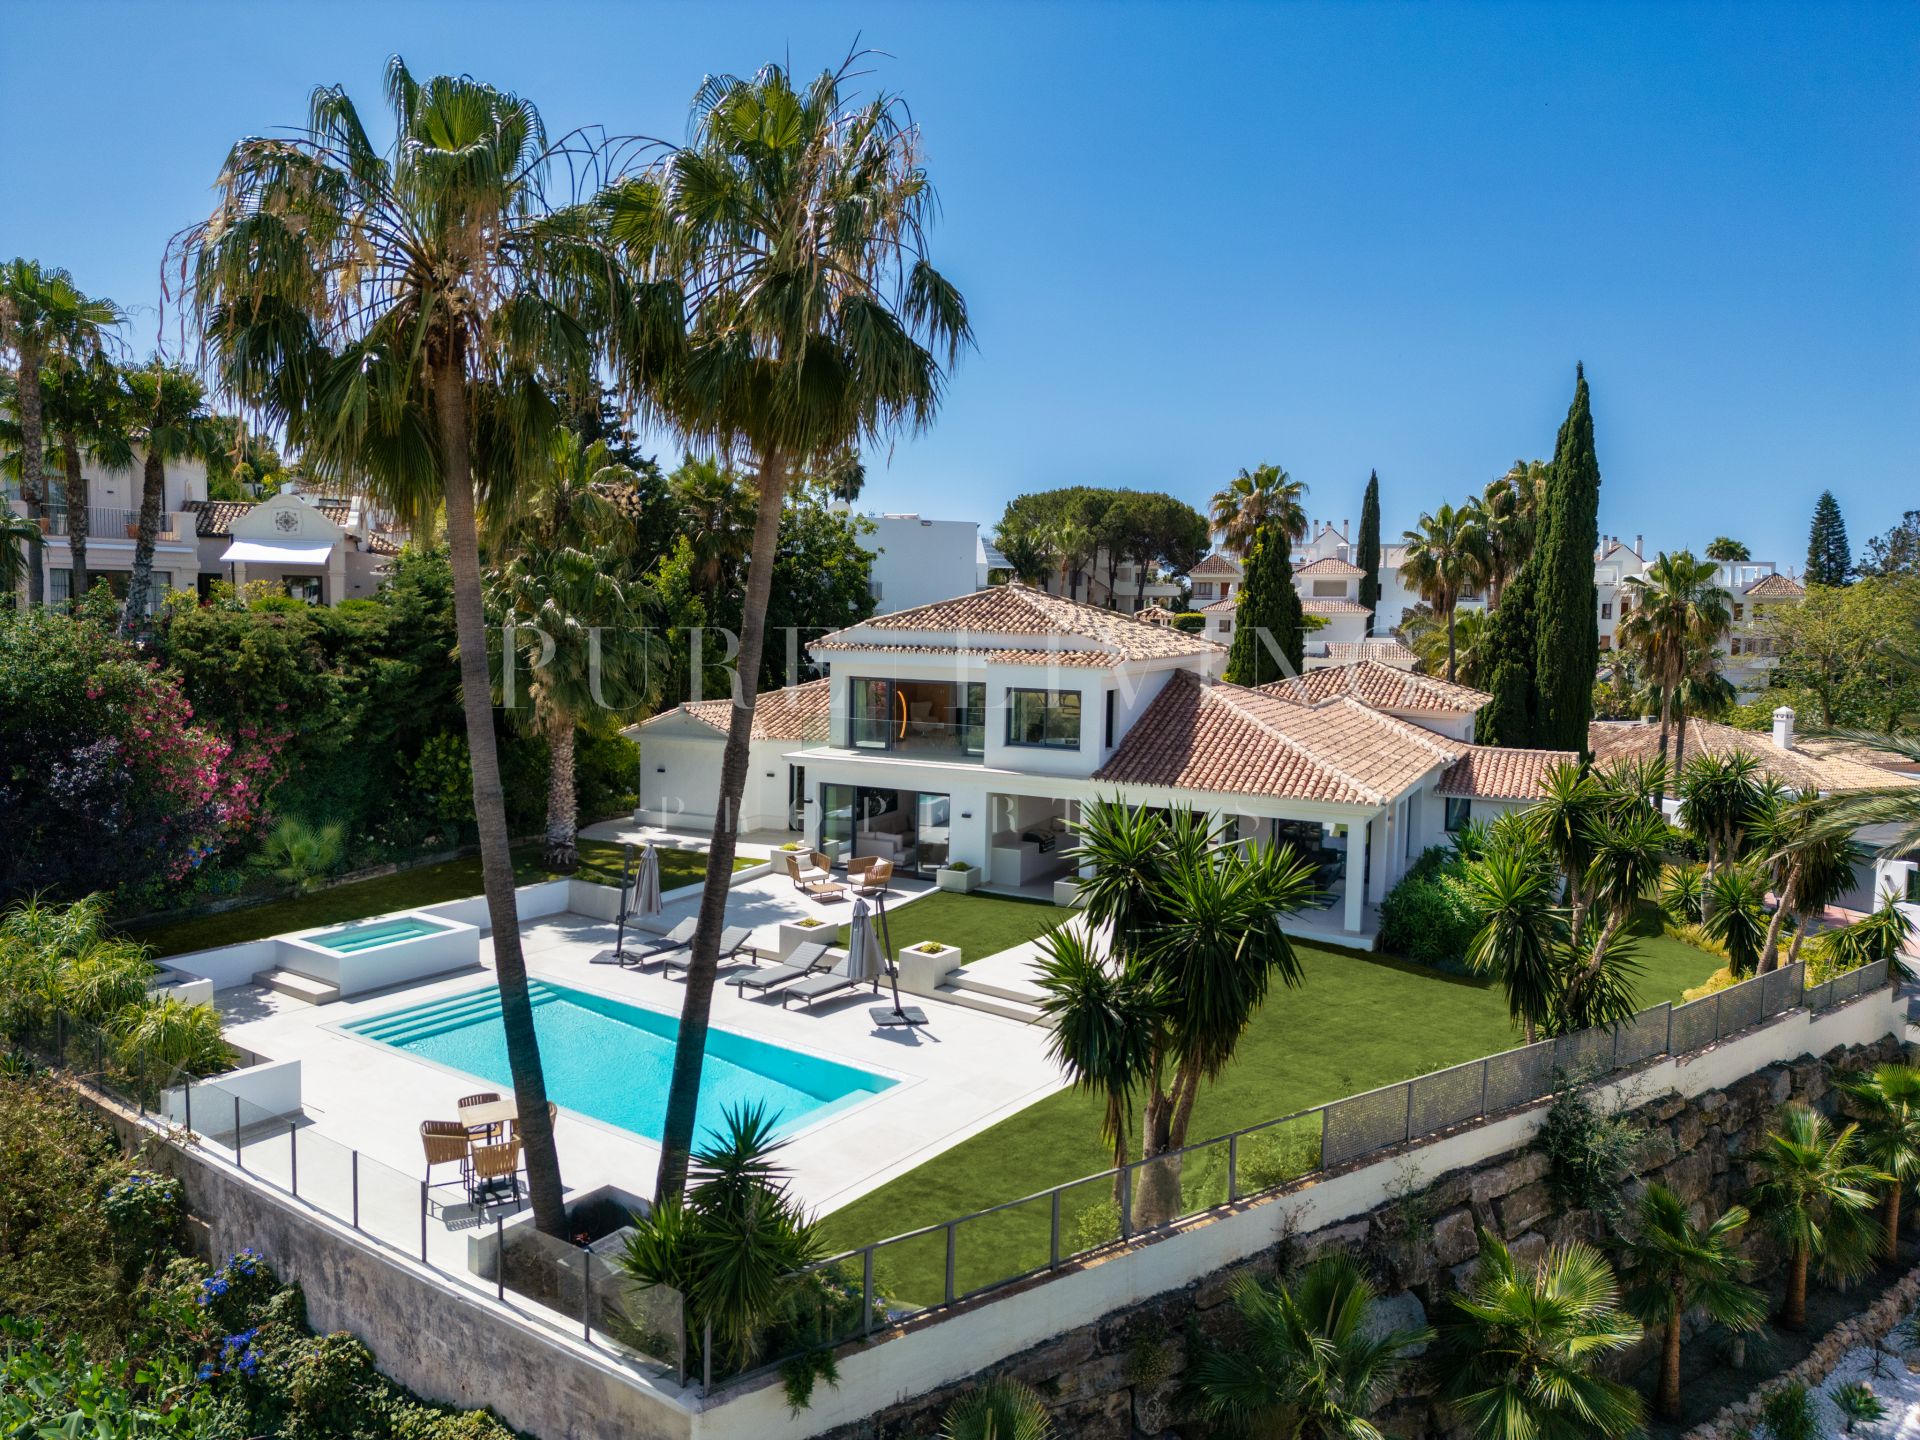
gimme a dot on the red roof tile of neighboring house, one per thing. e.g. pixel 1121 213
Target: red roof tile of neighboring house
pixel 1776 587
pixel 1314 606
pixel 1217 564
pixel 1615 741
pixel 1329 565
pixel 216 517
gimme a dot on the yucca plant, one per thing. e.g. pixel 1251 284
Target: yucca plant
pixel 171 1035
pixel 1735 901
pixel 1681 890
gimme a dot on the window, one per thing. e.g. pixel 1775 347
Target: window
pixel 1110 708
pixel 1733 646
pixel 1226 627
pixel 869 708
pixel 1606 609
pixel 1913 884
pixel 59 586
pixel 1606 642
pixel 303 587
pixel 1459 814
pixel 1739 612
pixel 1203 590
pixel 1049 718
pixel 1329 588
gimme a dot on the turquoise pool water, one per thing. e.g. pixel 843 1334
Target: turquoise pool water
pixel 613 1061
pixel 352 939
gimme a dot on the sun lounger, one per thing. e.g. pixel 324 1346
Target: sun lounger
pixel 733 940
pixel 819 985
pixel 657 946
pixel 807 959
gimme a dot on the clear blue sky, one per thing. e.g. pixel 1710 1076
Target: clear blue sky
pixel 1335 237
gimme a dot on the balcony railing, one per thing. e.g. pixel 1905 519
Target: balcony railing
pixel 108 523
pixel 921 740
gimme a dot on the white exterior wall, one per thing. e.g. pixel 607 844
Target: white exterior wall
pixel 680 780
pixel 918 561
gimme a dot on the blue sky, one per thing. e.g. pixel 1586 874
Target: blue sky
pixel 1339 237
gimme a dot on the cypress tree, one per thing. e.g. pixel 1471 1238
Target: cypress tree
pixel 1269 602
pixel 1367 553
pixel 1828 558
pixel 1546 633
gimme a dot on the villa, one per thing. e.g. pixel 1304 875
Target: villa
pixel 320 550
pixel 975 729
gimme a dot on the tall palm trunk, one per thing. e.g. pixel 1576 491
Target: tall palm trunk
pixel 1452 608
pixel 534 1126
pixel 33 481
pixel 1890 1222
pixel 1666 721
pixel 563 806
pixel 689 1050
pixel 1793 1314
pixel 1668 1401
pixel 78 520
pixel 153 490
pixel 1789 882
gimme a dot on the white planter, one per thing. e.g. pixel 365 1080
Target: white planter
pixel 793 932
pixel 1066 892
pixel 961 881
pixel 922 973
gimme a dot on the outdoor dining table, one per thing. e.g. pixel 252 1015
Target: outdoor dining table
pixel 490 1116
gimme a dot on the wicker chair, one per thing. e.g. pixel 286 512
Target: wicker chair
pixel 446 1143
pixel 875 879
pixel 495 1168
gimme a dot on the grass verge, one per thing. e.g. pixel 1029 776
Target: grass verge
pixel 980 925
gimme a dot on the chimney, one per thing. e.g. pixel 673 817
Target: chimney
pixel 1343 530
pixel 1783 727
pixel 1640 546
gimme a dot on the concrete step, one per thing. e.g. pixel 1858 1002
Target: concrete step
pixel 298 986
pixel 991 1004
pixel 961 978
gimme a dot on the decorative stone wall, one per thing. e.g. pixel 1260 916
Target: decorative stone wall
pixel 1120 1377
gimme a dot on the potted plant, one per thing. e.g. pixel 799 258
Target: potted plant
pixel 809 929
pixel 957 875
pixel 925 966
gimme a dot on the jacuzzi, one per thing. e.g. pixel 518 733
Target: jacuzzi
pixel 387 950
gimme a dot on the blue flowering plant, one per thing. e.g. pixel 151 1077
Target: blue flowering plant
pixel 236 1294
pixel 143 1210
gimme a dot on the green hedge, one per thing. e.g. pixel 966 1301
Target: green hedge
pixel 1426 917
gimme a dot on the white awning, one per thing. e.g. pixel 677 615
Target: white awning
pixel 291 552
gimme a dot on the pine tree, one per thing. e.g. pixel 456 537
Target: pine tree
pixel 1367 553
pixel 1546 634
pixel 1828 557
pixel 1270 603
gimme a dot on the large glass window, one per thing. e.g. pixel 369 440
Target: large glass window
pixel 1459 814
pixel 925 717
pixel 1044 717
pixel 869 710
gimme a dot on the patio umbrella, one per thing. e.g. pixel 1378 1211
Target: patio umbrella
pixel 646 885
pixel 907 1015
pixel 861 944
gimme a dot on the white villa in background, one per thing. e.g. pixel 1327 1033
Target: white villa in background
pixel 975 728
pixel 319 550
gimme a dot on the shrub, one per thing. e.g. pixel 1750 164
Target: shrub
pixel 174 1036
pixel 1857 1403
pixel 1788 1414
pixel 1426 917
pixel 1589 1153
pixel 235 1297
pixel 1097 1225
pixel 299 854
pixel 329 1381
pixel 1191 622
pixel 143 1210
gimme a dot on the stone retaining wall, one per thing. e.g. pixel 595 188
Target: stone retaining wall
pixel 1120 1377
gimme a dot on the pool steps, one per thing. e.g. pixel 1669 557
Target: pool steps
pixel 299 987
pixel 457 1012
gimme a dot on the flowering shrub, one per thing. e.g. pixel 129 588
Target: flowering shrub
pixel 143 1211
pixel 233 1295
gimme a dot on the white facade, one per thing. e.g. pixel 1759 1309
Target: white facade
pixel 1616 564
pixel 917 561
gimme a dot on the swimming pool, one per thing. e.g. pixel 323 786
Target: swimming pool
pixel 613 1061
pixel 370 934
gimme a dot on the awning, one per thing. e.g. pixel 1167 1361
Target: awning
pixel 292 552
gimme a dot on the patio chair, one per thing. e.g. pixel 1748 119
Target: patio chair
pixel 808 958
pixel 445 1143
pixel 811 877
pixel 678 938
pixel 821 984
pixel 495 1168
pixel 733 940
pixel 875 878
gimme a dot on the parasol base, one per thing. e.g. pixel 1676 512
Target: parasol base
pixel 886 1016
pixel 611 957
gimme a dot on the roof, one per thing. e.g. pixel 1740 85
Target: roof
pixel 982 618
pixel 1231 740
pixel 1490 772
pixel 1217 564
pixel 1092 659
pixel 1384 649
pixel 799 712
pixel 382 545
pixel 1775 587
pixel 1382 687
pixel 1227 606
pixel 216 517
pixel 1615 741
pixel 1329 565
pixel 1154 615
pixel 1319 605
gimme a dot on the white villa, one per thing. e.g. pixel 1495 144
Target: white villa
pixel 1758 588
pixel 974 729
pixel 319 550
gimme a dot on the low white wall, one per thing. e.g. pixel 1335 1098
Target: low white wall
pixel 530 902
pixel 187 989
pixel 966 1343
pixel 265 1090
pixel 229 965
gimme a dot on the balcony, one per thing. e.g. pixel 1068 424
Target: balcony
pixel 923 740
pixel 105 523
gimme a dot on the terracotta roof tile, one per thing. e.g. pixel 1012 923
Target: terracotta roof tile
pixel 1084 659
pixel 216 517
pixel 798 712
pixel 1614 741
pixel 1776 587
pixel 1219 607
pixel 1315 606
pixel 1217 564
pixel 983 619
pixel 1381 686
pixel 1329 565
pixel 1381 650
pixel 1489 772
pixel 1230 740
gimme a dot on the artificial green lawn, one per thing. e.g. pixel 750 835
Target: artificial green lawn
pixel 426 885
pixel 1355 1022
pixel 980 925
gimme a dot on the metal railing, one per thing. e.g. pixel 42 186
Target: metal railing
pixel 110 523
pixel 938 1265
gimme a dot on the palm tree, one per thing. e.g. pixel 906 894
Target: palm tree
pixel 1190 924
pixel 1672 609
pixel 1522 932
pixel 1811 866
pixel 1521 1347
pixel 1815 1192
pixel 1733 908
pixel 1027 549
pixel 1673 1267
pixel 1720 799
pixel 1251 500
pixel 18 536
pixel 1427 636
pixel 795 221
pixel 1308 1362
pixel 85 408
pixel 1702 691
pixel 1495 515
pixel 997 1409
pixel 1889 1138
pixel 1725 547
pixel 168 418
pixel 716 508
pixel 44 318
pixel 362 300
pixel 1895 806
pixel 1444 556
pixel 1073 545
